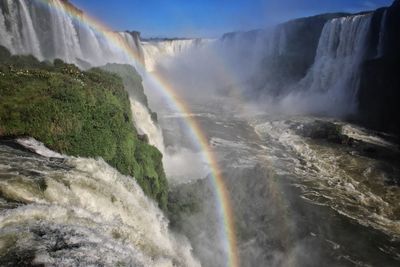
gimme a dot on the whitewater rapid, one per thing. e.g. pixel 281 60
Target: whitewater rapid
pixel 80 212
pixel 299 201
pixel 353 179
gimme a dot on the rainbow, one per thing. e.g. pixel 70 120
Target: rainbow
pixel 223 201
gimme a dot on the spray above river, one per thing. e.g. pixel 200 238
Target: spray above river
pixel 279 144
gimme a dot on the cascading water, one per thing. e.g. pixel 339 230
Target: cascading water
pixel 145 124
pixel 23 40
pixel 133 40
pixel 29 35
pixel 24 31
pixel 68 47
pixel 76 211
pixel 79 212
pixel 4 36
pixel 333 80
pixel 155 51
pixel 381 42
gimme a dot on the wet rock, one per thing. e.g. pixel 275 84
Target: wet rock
pixel 370 149
pixel 143 138
pixel 323 130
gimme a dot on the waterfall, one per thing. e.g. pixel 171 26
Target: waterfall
pixel 27 27
pixel 5 38
pixel 156 51
pixel 80 212
pixel 332 82
pixel 145 124
pixel 18 39
pixel 381 42
pixel 133 40
pixel 90 45
pixel 67 47
pixel 31 41
pixel 282 41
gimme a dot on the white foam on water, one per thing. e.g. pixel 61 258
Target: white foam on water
pixel 38 147
pixel 146 125
pixel 83 212
pixel 329 174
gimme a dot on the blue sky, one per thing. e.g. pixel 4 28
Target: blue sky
pixel 210 18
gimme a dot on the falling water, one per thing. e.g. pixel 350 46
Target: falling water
pixel 31 42
pixel 46 32
pixel 146 125
pixel 332 81
pixel 155 51
pixel 77 211
pixel 381 42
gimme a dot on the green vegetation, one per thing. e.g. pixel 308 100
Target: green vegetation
pixel 77 113
pixel 132 82
pixel 183 201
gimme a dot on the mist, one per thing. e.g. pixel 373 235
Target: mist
pixel 263 144
pixel 239 76
pixel 260 70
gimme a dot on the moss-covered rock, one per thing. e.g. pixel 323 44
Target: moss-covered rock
pixel 77 113
pixel 132 82
pixel 323 130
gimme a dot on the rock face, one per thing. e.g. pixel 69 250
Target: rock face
pixel 379 91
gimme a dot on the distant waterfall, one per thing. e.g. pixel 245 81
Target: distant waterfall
pixel 381 42
pixel 155 51
pixel 335 73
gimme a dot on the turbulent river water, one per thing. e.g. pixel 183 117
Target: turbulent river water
pixel 63 211
pixel 301 196
pixel 305 191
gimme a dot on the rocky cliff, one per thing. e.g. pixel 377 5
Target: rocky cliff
pixel 379 91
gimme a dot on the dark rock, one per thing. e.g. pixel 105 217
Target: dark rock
pixel 143 138
pixel 369 149
pixel 328 131
pixel 379 92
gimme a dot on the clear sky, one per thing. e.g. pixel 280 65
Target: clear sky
pixel 210 18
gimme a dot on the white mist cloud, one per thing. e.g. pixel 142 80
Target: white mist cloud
pixel 183 165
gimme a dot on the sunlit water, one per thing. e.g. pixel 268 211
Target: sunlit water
pixel 298 201
pixel 79 212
